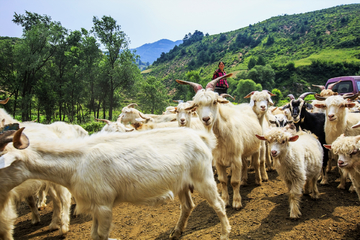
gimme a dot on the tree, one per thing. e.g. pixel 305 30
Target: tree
pixel 252 63
pixel 279 96
pixel 264 75
pixel 244 87
pixel 153 96
pixel 41 36
pixel 261 61
pixel 114 41
pixel 270 40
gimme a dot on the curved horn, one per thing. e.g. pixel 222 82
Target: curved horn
pixel 332 85
pixel 303 96
pixel 356 125
pixel 4 101
pixel 129 129
pixel 143 116
pixel 103 120
pixel 20 140
pixel 225 95
pixel 319 97
pixel 322 87
pixel 213 83
pixel 131 105
pixel 195 86
pixel 291 96
pixel 351 97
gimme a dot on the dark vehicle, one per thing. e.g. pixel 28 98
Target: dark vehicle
pixel 348 84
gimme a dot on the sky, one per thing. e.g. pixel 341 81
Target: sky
pixel 147 21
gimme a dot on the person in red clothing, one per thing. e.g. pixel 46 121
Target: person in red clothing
pixel 222 85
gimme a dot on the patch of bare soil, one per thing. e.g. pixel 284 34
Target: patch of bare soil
pixel 265 215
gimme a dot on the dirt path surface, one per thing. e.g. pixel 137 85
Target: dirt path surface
pixel 265 215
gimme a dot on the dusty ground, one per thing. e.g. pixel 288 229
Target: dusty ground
pixel 265 215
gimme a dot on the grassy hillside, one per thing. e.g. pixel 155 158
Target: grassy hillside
pixel 301 40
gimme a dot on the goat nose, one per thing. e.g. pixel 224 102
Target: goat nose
pixel 330 115
pixel 182 120
pixel 273 152
pixel 206 119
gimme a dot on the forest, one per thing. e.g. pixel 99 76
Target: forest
pixel 52 73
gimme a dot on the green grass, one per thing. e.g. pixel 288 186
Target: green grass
pixel 334 55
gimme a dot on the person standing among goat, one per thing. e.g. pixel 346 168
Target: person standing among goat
pixel 222 86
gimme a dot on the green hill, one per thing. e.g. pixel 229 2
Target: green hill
pixel 298 47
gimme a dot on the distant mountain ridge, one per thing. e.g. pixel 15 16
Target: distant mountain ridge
pixel 149 52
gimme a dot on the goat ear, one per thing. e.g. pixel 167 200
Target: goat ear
pixel 309 106
pixel 272 121
pixel 293 138
pixel 192 105
pixel 286 106
pixel 249 95
pixel 350 105
pixel 320 105
pixel 327 146
pixel 260 137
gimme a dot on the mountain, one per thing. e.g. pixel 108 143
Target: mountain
pixel 300 50
pixel 151 51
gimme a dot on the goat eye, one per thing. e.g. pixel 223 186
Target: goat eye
pixel 283 141
pixel 215 102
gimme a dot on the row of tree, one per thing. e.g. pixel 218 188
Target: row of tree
pixel 64 75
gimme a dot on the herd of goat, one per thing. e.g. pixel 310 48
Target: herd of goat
pixel 148 159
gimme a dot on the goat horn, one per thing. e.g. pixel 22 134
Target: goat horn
pixel 356 126
pixel 143 116
pixel 131 105
pixel 103 120
pixel 330 86
pixel 4 101
pixel 20 140
pixel 322 87
pixel 195 86
pixel 350 96
pixel 225 95
pixel 319 97
pixel 213 83
pixel 291 96
pixel 303 96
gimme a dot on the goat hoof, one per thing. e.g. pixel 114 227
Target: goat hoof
pixel 53 226
pixel 175 234
pixel 64 230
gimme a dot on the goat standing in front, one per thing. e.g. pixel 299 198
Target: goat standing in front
pixel 235 129
pixel 105 169
pixel 298 163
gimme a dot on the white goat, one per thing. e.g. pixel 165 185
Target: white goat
pixel 105 169
pixel 260 101
pixel 185 118
pixel 297 163
pixel 348 150
pixel 338 121
pixel 131 115
pixel 114 126
pixel 235 129
pixel 61 196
